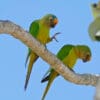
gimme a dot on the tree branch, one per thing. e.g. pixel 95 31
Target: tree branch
pixel 97 93
pixel 16 31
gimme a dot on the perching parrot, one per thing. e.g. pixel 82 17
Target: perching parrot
pixel 40 29
pixel 94 27
pixel 68 54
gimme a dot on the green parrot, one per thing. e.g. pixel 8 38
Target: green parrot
pixel 39 29
pixel 94 27
pixel 68 54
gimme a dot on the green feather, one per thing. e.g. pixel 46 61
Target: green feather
pixel 64 51
pixel 34 28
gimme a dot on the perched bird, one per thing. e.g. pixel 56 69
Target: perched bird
pixel 94 27
pixel 68 54
pixel 40 29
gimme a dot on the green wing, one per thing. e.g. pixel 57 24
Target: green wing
pixel 34 28
pixel 64 51
pixel 31 56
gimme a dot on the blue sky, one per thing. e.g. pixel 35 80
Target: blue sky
pixel 74 18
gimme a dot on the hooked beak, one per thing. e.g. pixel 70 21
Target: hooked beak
pixel 88 58
pixel 55 21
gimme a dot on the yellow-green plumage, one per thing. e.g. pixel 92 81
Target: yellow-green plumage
pixel 45 38
pixel 70 60
pixel 68 54
pixel 40 30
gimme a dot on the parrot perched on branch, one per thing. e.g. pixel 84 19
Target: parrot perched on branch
pixel 68 54
pixel 94 27
pixel 40 29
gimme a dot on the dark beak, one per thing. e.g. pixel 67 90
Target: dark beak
pixel 54 22
pixel 88 58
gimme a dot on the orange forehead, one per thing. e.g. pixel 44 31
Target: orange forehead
pixel 55 21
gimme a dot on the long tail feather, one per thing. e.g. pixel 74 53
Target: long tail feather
pixel 46 75
pixel 27 58
pixel 52 76
pixel 33 58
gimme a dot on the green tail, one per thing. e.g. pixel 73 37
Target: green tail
pixel 50 79
pixel 33 57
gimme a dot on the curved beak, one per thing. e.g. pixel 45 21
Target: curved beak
pixel 88 58
pixel 54 22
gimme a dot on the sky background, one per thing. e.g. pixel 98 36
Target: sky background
pixel 74 19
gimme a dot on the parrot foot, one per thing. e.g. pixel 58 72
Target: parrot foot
pixel 54 36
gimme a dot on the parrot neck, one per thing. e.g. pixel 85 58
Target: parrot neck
pixel 78 52
pixel 44 23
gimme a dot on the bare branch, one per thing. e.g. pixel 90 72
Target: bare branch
pixel 97 93
pixel 16 31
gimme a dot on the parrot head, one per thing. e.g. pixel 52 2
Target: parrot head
pixel 96 9
pixel 84 53
pixel 50 20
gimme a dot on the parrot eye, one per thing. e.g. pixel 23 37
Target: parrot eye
pixel 52 21
pixel 94 5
